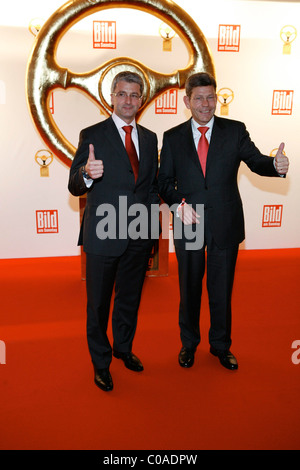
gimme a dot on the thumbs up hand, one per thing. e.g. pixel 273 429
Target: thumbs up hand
pixel 94 168
pixel 281 161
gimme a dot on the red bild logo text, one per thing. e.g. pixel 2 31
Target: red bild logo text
pixel 229 38
pixel 167 103
pixel 282 102
pixel 272 216
pixel 47 221
pixel 104 35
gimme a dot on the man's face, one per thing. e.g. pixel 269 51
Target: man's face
pixel 202 103
pixel 126 100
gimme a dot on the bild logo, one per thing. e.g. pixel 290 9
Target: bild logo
pixel 51 103
pixel 282 102
pixel 104 35
pixel 229 38
pixel 47 221
pixel 272 216
pixel 167 103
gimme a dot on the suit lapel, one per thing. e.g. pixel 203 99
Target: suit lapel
pixel 143 149
pixel 112 134
pixel 114 137
pixel 189 145
pixel 216 142
pixel 218 137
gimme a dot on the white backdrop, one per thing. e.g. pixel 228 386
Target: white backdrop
pixel 253 73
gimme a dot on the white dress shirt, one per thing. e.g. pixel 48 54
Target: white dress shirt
pixel 196 137
pixel 134 135
pixel 197 133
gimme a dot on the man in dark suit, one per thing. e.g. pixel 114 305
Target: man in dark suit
pixel 116 165
pixel 199 164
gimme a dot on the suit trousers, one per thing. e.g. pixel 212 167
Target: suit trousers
pixel 220 267
pixel 125 273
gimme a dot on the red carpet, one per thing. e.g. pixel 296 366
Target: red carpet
pixel 48 398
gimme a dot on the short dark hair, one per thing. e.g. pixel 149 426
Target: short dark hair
pixel 199 79
pixel 127 76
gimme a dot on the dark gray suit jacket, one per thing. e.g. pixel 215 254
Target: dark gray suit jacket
pixel 117 181
pixel 181 176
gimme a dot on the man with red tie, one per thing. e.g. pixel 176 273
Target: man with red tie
pixel 199 165
pixel 116 165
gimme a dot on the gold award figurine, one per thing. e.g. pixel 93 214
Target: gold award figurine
pixel 167 34
pixel 44 158
pixel 44 74
pixel 288 34
pixel 35 26
pixel 227 96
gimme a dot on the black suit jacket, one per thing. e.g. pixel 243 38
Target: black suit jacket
pixel 181 175
pixel 117 181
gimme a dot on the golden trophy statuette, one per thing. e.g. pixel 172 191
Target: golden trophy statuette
pixel 225 97
pixel 44 158
pixel 35 26
pixel 167 34
pixel 288 34
pixel 45 75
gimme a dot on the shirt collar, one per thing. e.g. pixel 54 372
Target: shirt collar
pixel 120 123
pixel 209 124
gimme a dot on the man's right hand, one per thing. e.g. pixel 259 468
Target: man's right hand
pixel 94 168
pixel 188 215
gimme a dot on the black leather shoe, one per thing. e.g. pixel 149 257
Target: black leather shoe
pixel 130 360
pixel 103 379
pixel 226 358
pixel 186 357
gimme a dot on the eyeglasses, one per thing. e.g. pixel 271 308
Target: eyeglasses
pixel 122 95
pixel 200 99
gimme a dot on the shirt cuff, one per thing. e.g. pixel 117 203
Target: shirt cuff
pixel 88 182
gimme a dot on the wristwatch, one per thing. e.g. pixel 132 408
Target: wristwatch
pixel 84 173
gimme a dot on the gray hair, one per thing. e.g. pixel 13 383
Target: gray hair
pixel 129 77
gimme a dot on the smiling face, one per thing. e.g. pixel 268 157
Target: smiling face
pixel 126 100
pixel 202 103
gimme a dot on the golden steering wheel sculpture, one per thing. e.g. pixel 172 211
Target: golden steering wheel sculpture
pixel 44 74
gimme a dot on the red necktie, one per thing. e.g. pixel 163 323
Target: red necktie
pixel 130 149
pixel 203 148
